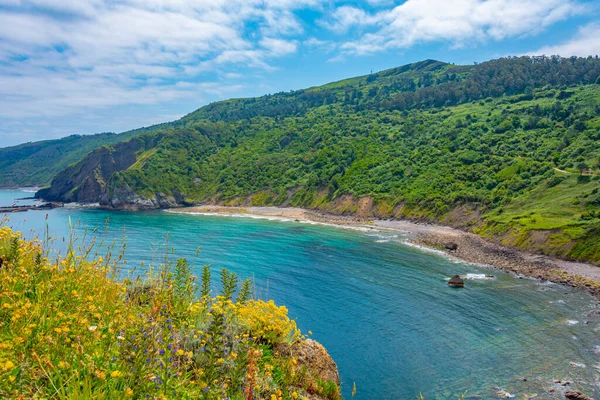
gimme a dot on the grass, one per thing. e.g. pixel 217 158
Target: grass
pixel 559 218
pixel 69 328
pixel 550 207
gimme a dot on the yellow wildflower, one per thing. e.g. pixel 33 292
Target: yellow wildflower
pixel 116 374
pixel 128 392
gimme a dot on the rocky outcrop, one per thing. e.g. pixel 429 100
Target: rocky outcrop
pixel 85 181
pixel 451 246
pixel 315 358
pixel 121 196
pixel 456 281
pixel 45 206
pixel 576 395
pixel 124 198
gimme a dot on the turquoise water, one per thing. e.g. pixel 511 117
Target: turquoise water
pixel 381 308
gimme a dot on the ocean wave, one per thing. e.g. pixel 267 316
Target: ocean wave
pixel 475 277
pixel 426 249
pixel 503 394
pixel 382 236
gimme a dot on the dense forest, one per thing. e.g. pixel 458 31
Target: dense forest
pixel 508 148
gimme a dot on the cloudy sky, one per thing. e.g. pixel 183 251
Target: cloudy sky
pixel 86 66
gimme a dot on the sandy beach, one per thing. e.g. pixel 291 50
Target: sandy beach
pixel 455 243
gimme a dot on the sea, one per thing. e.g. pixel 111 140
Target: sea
pixel 382 308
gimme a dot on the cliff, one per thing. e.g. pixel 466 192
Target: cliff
pixel 86 180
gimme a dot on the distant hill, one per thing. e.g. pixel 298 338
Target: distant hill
pixel 508 148
pixel 36 163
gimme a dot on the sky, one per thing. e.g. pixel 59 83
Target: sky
pixel 89 66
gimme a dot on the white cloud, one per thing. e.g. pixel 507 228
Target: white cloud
pixel 345 17
pixel 585 43
pixel 278 47
pixel 86 57
pixel 454 21
pixel 59 57
pixel 314 43
pixel 380 2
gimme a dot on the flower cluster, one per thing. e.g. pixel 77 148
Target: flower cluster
pixel 70 329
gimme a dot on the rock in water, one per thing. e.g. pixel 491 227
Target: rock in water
pixel 576 395
pixel 456 281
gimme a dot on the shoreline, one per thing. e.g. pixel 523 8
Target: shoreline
pixel 464 246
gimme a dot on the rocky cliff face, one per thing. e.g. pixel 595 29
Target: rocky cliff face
pixel 86 181
pixel 122 197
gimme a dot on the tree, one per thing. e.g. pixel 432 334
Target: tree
pixel 582 167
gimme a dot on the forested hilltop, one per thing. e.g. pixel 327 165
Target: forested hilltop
pixel 508 148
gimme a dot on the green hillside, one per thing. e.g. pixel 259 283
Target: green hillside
pixel 36 163
pixel 509 148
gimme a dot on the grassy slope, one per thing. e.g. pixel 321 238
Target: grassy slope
pixel 426 141
pixel 70 330
pixel 419 164
pixel 35 164
pixel 549 219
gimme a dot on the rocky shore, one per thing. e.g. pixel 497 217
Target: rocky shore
pixel 43 206
pixel 471 248
pixel 455 243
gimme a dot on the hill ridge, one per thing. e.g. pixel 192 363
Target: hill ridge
pixel 469 146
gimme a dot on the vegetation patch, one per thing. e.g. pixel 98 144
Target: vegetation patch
pixel 70 329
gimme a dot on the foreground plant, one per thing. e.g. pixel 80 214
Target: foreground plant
pixel 69 329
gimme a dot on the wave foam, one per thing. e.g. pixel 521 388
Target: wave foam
pixel 475 277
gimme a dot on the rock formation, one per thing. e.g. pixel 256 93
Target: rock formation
pixel 456 281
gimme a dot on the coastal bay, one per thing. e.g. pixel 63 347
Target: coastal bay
pixel 381 308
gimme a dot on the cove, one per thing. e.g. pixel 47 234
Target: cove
pixel 381 308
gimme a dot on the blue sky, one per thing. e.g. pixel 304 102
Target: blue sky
pixel 87 66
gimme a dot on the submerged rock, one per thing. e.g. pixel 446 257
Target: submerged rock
pixel 576 395
pixel 456 281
